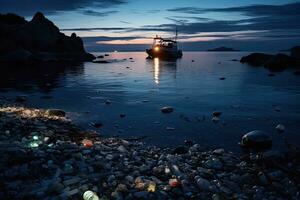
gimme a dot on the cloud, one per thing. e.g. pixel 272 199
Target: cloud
pixel 260 17
pixel 251 10
pixel 29 7
pixel 97 13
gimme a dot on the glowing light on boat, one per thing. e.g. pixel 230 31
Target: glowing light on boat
pixel 156 48
pixel 156 70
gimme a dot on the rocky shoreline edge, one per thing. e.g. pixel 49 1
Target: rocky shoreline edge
pixel 46 156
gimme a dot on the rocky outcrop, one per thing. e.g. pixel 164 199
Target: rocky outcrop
pixel 38 40
pixel 295 52
pixel 272 62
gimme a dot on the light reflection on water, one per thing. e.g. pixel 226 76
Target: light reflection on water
pixel 139 88
pixel 156 70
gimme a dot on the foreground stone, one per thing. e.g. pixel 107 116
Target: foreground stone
pixel 48 157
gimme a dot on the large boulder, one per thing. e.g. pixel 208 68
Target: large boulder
pixel 279 61
pixel 256 59
pixel 41 38
pixel 257 140
pixel 295 52
pixel 272 62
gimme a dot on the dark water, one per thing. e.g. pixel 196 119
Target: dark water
pixel 248 98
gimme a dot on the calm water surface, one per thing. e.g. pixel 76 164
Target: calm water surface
pixel 248 98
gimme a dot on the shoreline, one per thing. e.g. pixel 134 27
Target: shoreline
pixel 46 156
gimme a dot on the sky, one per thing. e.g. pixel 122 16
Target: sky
pixel 130 25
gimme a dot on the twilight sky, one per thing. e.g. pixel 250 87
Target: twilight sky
pixel 126 25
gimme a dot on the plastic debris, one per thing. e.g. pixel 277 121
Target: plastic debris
pixel 90 195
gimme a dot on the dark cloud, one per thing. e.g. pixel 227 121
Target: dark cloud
pixel 263 17
pixel 29 7
pixel 96 29
pixel 98 14
pixel 251 10
pixel 106 38
pixel 125 22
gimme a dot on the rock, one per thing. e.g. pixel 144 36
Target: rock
pixel 213 163
pixel 101 61
pixel 56 112
pixel 217 113
pixel 141 195
pixel 256 140
pixel 273 62
pixel 166 109
pixel 295 52
pixel 215 119
pixel 97 124
pixel 222 78
pixel 21 99
pixel 203 184
pixel 280 128
pixel 262 178
pixel 188 143
pixel 279 62
pixel 38 40
pixel 180 150
pixel 256 59
pixel 55 188
pixel 108 102
pixel 122 115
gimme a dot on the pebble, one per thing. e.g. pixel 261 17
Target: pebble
pixel 280 128
pixel 117 169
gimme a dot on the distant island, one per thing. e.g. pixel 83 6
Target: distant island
pixel 37 40
pixel 222 49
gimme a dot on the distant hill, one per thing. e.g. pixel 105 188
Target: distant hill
pixel 37 40
pixel 222 49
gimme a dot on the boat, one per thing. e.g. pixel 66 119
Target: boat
pixel 164 48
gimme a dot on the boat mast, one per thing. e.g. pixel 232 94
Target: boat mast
pixel 176 34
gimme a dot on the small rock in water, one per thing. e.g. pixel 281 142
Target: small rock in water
pixel 122 115
pixel 56 112
pixel 21 99
pixel 257 140
pixel 168 128
pixel 217 113
pixel 222 78
pixel 96 124
pixel 166 109
pixel 188 143
pixel 215 119
pixel 280 128
pixel 107 102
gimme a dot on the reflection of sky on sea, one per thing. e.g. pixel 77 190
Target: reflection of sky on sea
pixel 139 88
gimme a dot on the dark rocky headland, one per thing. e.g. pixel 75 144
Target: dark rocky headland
pixel 37 40
pixel 45 156
pixel 275 62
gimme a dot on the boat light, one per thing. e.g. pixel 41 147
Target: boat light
pixel 156 48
